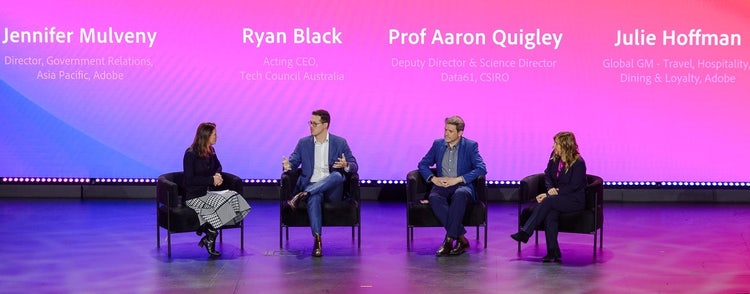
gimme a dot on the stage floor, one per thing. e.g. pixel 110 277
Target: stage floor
pixel 109 246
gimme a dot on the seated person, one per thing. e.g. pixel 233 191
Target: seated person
pixel 565 179
pixel 324 158
pixel 202 173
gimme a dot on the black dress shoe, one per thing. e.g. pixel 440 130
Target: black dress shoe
pixel 461 245
pixel 296 199
pixel 521 236
pixel 446 247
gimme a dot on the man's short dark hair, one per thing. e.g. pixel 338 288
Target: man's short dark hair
pixel 325 117
pixel 456 121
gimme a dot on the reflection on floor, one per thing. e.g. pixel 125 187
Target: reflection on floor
pixel 109 246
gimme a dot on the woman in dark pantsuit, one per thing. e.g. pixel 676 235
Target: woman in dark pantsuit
pixel 565 179
pixel 202 176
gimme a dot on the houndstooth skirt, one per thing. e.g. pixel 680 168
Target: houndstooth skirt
pixel 220 208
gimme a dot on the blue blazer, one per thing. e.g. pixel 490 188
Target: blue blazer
pixel 304 154
pixel 470 164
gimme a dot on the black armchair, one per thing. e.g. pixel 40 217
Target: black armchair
pixel 421 215
pixel 345 213
pixel 173 215
pixel 588 221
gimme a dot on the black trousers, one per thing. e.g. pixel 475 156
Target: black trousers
pixel 548 211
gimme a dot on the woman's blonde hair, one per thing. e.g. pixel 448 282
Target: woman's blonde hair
pixel 568 148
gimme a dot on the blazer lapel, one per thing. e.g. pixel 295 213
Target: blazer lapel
pixel 331 151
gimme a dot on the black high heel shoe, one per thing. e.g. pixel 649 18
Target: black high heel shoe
pixel 209 240
pixel 552 257
pixel 521 236
pixel 210 245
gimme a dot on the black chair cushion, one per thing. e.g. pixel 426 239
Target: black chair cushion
pixel 421 215
pixel 183 219
pixel 342 213
pixel 571 222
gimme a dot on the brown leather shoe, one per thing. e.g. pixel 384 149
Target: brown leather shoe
pixel 317 246
pixel 446 247
pixel 461 245
pixel 296 199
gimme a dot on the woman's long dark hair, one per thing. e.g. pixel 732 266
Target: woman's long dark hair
pixel 201 144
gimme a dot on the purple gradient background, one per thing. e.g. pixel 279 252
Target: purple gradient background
pixel 140 127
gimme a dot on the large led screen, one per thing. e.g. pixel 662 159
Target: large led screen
pixel 653 90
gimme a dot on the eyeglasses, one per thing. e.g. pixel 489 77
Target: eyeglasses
pixel 314 124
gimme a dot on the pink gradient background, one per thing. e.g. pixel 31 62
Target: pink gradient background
pixel 626 131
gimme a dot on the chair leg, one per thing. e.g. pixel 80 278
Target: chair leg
pixel 601 238
pixel 485 237
pixel 169 243
pixel 595 233
pixel 408 241
pixel 281 237
pixel 158 241
pixel 242 236
pixel 477 232
pixel 359 236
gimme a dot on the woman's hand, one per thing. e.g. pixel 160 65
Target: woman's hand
pixel 218 180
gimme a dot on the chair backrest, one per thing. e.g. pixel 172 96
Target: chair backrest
pixel 417 188
pixel 169 189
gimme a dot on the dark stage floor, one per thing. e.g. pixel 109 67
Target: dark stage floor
pixel 109 246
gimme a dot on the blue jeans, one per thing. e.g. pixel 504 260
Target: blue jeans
pixel 329 189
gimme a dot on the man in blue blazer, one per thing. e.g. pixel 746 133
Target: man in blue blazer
pixel 324 158
pixel 458 163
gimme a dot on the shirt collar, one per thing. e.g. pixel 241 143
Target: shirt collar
pixel 315 140
pixel 448 146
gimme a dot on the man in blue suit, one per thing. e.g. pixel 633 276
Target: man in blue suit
pixel 458 163
pixel 324 158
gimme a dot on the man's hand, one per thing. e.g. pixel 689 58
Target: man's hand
pixel 446 182
pixel 540 197
pixel 341 162
pixel 285 165
pixel 553 191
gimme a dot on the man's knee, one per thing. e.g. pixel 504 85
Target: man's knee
pixel 337 177
pixel 462 193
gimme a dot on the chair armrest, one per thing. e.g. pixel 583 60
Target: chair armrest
pixel 480 185
pixel 231 182
pixel 167 192
pixel 594 192
pixel 415 186
pixel 352 186
pixel 531 186
pixel 288 184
